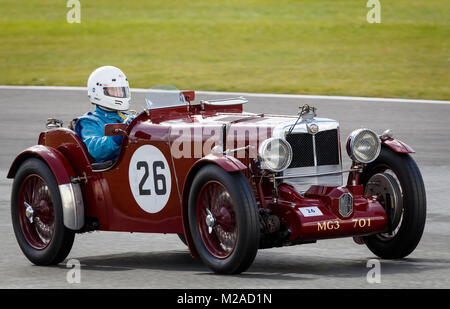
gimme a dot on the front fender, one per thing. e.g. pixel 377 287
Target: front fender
pixel 391 143
pixel 71 196
pixel 228 163
pixel 397 145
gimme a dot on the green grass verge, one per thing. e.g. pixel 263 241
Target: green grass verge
pixel 305 47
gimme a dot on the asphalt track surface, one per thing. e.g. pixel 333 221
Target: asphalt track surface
pixel 125 260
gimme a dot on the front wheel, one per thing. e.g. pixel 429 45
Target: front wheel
pixel 223 220
pixel 395 180
pixel 36 212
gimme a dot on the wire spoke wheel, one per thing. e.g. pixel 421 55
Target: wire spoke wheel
pixel 216 219
pixel 223 219
pixel 36 213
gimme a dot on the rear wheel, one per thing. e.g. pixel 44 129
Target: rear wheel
pixel 223 220
pixel 395 180
pixel 36 212
pixel 182 238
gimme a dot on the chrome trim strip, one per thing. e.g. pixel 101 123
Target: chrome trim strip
pixel 263 146
pixel 166 106
pixel 303 178
pixel 314 149
pixel 318 174
pixel 72 205
pixel 331 175
pixel 324 124
pixel 352 138
pixel 228 151
pixel 339 145
pixel 228 101
pixel 346 205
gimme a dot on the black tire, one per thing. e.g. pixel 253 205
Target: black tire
pixel 410 229
pixel 62 239
pixel 245 214
pixel 182 238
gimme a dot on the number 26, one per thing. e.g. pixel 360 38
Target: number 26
pixel 159 180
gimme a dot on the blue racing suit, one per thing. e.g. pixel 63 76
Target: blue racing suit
pixel 91 129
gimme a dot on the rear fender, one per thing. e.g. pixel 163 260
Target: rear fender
pixel 228 163
pixel 71 196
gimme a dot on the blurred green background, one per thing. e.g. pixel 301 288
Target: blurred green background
pixel 276 46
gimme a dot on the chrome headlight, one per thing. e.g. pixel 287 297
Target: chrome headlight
pixel 363 146
pixel 275 154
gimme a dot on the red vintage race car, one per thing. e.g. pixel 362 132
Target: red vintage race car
pixel 226 181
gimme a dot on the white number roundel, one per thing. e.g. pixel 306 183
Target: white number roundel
pixel 150 179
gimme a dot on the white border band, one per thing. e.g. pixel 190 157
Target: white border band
pixel 246 94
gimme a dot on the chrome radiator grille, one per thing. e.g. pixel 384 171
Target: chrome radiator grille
pixel 314 154
pixel 314 150
pixel 302 145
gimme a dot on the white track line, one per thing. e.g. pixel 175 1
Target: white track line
pixel 255 95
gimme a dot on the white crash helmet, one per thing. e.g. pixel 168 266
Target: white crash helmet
pixel 108 87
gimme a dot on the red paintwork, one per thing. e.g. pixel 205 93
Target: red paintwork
pixel 397 146
pixel 327 200
pixel 107 195
pixel 126 215
pixel 393 144
pixel 189 95
pixel 58 163
pixel 228 163
pixel 113 129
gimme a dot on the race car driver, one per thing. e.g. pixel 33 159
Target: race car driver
pixel 108 89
